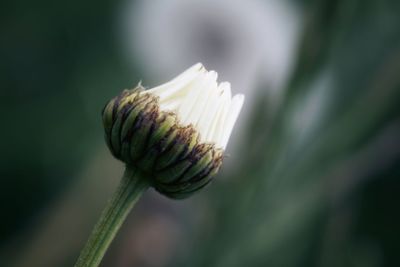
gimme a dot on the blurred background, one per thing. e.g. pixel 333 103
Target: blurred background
pixel 312 173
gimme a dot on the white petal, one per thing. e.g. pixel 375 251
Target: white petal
pixel 209 112
pixel 198 108
pixel 171 105
pixel 220 114
pixel 234 110
pixel 191 98
pixel 181 82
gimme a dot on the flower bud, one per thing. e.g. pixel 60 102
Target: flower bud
pixel 175 134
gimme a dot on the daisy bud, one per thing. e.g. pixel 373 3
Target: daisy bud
pixel 176 133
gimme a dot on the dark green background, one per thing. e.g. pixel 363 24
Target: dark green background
pixel 330 198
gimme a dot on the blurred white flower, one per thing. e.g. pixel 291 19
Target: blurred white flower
pixel 251 43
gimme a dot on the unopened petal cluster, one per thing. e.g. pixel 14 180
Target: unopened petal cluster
pixel 199 100
pixel 175 133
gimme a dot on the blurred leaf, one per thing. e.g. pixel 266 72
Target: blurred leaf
pixel 344 91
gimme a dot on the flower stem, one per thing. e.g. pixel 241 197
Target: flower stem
pixel 131 187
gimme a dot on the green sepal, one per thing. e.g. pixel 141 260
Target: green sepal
pixel 129 122
pixel 183 190
pixel 162 126
pixel 198 166
pixel 115 136
pixel 173 173
pixel 181 146
pixel 141 133
pixel 107 116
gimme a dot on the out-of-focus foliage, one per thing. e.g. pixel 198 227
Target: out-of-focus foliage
pixel 59 65
pixel 317 183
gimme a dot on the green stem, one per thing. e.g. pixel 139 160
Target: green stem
pixel 131 187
